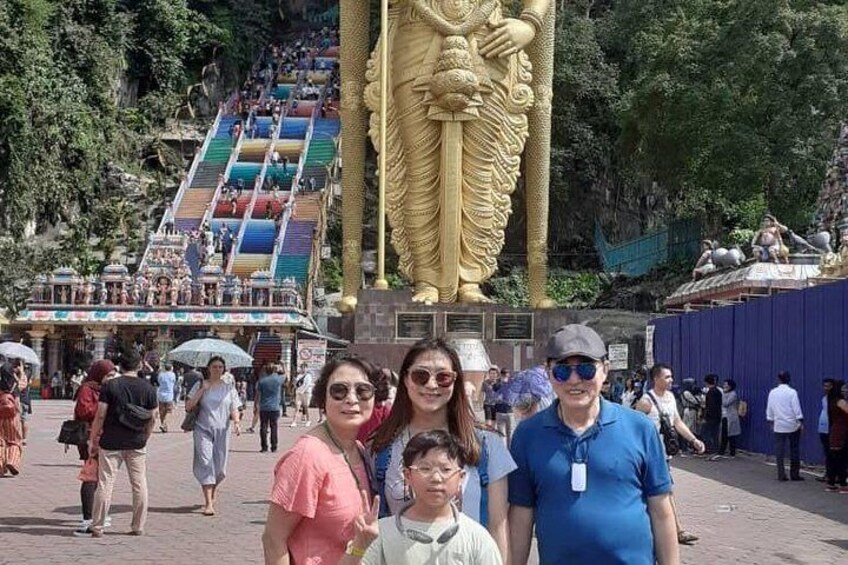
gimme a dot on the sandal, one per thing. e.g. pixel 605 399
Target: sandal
pixel 685 538
pixel 208 511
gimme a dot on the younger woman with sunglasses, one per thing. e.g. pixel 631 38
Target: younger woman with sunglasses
pixel 320 482
pixel 431 396
pixel 430 527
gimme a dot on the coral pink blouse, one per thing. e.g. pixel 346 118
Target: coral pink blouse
pixel 313 481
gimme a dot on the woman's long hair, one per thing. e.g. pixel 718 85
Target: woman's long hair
pixel 460 417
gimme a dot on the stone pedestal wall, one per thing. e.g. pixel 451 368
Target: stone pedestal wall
pixel 373 332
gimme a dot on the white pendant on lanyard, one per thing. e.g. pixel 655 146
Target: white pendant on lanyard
pixel 578 477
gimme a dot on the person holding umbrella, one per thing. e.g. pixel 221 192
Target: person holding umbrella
pixel 217 403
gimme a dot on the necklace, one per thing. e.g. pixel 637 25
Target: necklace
pixel 344 454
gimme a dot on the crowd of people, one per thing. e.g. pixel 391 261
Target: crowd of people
pixel 400 468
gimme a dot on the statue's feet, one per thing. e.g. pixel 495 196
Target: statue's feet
pixel 425 293
pixel 471 294
pixel 347 304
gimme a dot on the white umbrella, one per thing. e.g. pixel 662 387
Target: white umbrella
pixel 15 350
pixel 198 352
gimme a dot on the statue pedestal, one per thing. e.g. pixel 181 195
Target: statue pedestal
pixel 386 323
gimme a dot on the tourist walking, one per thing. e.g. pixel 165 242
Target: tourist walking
pixel 712 414
pixel 167 380
pixel 431 396
pixel 490 397
pixel 268 393
pixel 731 427
pixel 783 412
pixel 56 385
pixel 382 406
pixel 504 418
pixel 692 400
pixel 85 410
pixel 218 404
pixel 629 394
pixel 302 396
pixel 660 405
pixel 11 435
pixel 837 456
pixel 610 487
pixel 824 425
pixel 125 417
pixel 319 483
pixel 430 526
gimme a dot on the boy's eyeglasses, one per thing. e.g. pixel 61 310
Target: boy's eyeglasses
pixel 562 372
pixel 340 391
pixel 429 471
pixel 422 376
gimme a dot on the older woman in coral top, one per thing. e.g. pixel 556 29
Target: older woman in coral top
pixel 319 484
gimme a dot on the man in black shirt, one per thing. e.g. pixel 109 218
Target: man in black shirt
pixel 712 414
pixel 125 416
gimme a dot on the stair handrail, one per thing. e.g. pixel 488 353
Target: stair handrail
pixel 186 182
pixel 248 211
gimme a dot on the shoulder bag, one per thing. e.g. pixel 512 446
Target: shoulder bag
pixel 73 432
pixel 669 435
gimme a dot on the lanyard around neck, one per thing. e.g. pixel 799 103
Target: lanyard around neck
pixel 344 454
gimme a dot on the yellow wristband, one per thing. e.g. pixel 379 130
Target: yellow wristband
pixel 354 551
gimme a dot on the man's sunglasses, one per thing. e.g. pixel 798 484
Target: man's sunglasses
pixel 586 371
pixel 340 391
pixel 422 376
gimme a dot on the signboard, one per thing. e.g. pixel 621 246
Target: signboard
pixel 414 325
pixel 311 354
pixel 514 327
pixel 619 356
pixel 649 345
pixel 464 324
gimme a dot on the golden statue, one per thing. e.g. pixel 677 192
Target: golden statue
pixel 460 92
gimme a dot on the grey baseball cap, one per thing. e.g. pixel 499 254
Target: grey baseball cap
pixel 576 340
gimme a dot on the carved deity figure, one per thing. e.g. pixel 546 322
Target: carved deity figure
pixel 705 264
pixel 237 290
pixel 836 264
pixel 175 292
pixel 768 243
pixel 187 291
pixel 104 293
pixel 458 96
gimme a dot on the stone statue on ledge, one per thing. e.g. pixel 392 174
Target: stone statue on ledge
pixel 768 243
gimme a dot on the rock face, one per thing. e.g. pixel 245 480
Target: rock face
pixel 833 199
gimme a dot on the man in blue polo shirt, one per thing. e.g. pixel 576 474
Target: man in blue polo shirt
pixel 591 475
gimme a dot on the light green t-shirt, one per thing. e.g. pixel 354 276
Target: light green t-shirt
pixel 472 545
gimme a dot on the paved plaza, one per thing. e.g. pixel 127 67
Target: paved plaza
pixel 741 512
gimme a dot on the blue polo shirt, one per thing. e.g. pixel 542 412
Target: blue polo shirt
pixel 607 523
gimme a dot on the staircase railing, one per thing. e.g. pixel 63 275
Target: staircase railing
pixel 186 182
pixel 248 212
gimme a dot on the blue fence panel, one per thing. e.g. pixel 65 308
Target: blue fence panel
pixel 802 332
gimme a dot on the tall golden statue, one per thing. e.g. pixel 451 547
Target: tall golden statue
pixel 460 88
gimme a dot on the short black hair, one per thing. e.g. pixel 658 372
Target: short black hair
pixel 130 360
pixel 784 377
pixel 731 384
pixel 319 390
pixel 829 380
pixel 711 379
pixel 421 444
pixel 655 370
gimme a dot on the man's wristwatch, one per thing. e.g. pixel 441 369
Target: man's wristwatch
pixel 354 551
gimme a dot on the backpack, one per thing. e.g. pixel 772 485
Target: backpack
pixel 382 460
pixel 671 440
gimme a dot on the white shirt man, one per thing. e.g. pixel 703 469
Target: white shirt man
pixel 783 411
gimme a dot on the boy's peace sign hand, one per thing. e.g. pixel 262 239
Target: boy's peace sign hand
pixel 365 526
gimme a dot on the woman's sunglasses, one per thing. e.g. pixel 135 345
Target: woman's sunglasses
pixel 562 372
pixel 422 376
pixel 340 391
